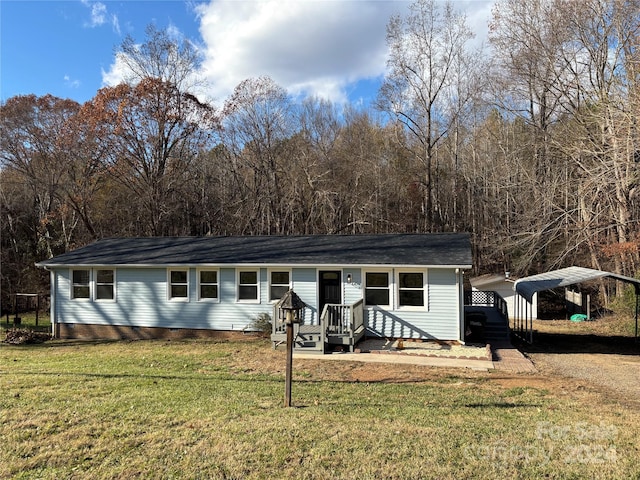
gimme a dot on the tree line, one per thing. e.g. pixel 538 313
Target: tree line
pixel 531 144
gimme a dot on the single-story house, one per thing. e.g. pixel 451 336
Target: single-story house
pixel 504 285
pixel 404 285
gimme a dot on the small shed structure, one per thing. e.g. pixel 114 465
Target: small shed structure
pixel 503 285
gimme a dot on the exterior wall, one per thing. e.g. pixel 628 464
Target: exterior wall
pixel 304 284
pixel 142 307
pixel 142 301
pixel 121 332
pixel 441 320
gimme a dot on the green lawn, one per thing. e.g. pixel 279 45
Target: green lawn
pixel 206 409
pixel 27 320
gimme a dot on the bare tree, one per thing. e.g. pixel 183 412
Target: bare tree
pixel 161 56
pixel 35 142
pixel 603 139
pixel 258 120
pixel 425 47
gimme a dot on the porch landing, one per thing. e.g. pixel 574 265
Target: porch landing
pixel 402 358
pixel 500 356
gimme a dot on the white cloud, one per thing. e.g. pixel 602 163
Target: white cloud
pixel 100 16
pixel 115 23
pixel 71 83
pixel 310 47
pixel 116 73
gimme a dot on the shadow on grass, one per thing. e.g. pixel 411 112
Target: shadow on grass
pixel 502 405
pixel 226 377
pixel 580 343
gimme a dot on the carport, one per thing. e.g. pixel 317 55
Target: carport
pixel 528 286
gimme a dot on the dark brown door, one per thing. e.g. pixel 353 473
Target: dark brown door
pixel 330 288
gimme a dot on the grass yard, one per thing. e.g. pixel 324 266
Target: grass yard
pixel 207 409
pixel 27 320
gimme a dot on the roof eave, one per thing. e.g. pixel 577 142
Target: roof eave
pixel 247 265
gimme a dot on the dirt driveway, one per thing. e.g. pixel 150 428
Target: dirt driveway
pixel 592 353
pixel 590 357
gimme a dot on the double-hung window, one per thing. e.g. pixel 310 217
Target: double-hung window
pixel 376 290
pixel 179 284
pixel 93 284
pixel 411 289
pixel 248 290
pixel 105 284
pixel 279 284
pixel 208 285
pixel 81 284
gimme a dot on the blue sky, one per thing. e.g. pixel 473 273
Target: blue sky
pixel 331 48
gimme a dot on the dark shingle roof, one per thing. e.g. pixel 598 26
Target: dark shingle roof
pixel 440 249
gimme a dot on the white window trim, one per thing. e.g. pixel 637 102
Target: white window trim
pixel 390 287
pixel 290 284
pixel 425 289
pixel 93 285
pixel 257 272
pixel 169 284
pixel 208 300
pixel 71 285
pixel 95 289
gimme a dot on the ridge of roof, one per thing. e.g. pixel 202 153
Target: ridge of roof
pixel 450 249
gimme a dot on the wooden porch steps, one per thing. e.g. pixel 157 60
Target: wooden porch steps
pixel 309 338
pixel 340 325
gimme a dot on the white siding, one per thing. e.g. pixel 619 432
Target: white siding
pixel 440 320
pixel 352 291
pixel 505 289
pixel 142 301
pixel 304 284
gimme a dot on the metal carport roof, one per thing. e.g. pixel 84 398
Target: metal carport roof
pixel 527 287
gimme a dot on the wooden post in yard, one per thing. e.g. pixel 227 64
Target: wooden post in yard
pixel 287 383
pixel 292 306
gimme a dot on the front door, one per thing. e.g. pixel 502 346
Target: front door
pixel 330 288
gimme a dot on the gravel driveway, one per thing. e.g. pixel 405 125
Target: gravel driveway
pixel 608 362
pixel 620 374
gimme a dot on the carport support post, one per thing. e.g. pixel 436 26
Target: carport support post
pixel 637 308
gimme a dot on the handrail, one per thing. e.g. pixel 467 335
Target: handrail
pixel 357 315
pixel 487 298
pixel 277 323
pixel 336 318
pixel 339 319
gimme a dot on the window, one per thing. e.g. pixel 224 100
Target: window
pixel 208 284
pixel 178 284
pixel 411 289
pixel 279 284
pixel 248 285
pixel 80 284
pixel 376 288
pixel 105 285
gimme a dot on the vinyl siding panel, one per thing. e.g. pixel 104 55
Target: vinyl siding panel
pixel 142 300
pixel 304 284
pixel 352 291
pixel 439 320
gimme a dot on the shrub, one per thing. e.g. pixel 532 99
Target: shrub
pixel 21 336
pixel 261 323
